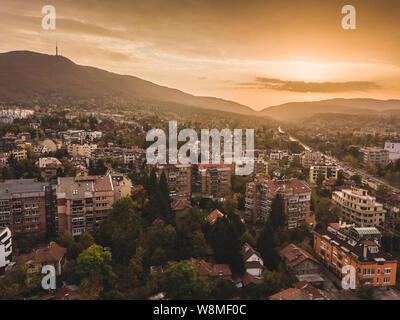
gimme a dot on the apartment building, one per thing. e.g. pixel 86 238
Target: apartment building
pixel 84 202
pixel 393 147
pixel 24 205
pixel 258 199
pixel 80 136
pixel 338 246
pixel 310 158
pixel 391 204
pixel 19 153
pixel 375 155
pixel 327 172
pixel 359 208
pixel 179 178
pixel 212 180
pixel 84 150
pixel 296 197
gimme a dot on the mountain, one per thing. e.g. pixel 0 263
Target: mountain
pixel 295 111
pixel 28 76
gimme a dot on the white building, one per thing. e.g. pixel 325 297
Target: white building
pixel 394 150
pixel 359 208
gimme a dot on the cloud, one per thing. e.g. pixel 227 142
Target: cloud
pixel 302 86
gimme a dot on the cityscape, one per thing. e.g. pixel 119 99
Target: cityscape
pixel 229 174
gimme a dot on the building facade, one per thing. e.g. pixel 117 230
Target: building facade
pixel 359 208
pixel 295 194
pixel 84 202
pixel 25 205
pixel 375 155
pixel 393 147
pixel 326 171
pixel 337 247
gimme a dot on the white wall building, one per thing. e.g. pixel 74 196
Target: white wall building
pixel 394 150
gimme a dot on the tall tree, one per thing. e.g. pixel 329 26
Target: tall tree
pixel 181 281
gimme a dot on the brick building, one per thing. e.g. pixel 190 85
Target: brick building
pixel 24 205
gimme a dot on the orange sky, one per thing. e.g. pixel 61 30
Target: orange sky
pixel 259 53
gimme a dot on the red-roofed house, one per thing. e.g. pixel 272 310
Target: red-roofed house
pixel 213 216
pixel 299 261
pixel 252 259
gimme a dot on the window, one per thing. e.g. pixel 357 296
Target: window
pixel 75 192
pixel 386 279
pixel 388 270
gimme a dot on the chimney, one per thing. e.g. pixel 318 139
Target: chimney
pixel 365 250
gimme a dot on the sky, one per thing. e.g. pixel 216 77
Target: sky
pixel 258 53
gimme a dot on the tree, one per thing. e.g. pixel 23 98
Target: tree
pixel 181 281
pixel 121 229
pixel 159 242
pixel 320 178
pixel 266 246
pixel 277 216
pixel 94 260
pixel 356 178
pixel 225 240
pixel 86 240
pixel 383 191
pixel 91 287
pixel 326 212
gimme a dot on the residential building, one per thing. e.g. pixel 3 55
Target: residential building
pixel 296 197
pixel 179 178
pixel 326 171
pixel 391 204
pixel 213 216
pixel 375 155
pixel 302 290
pixel 258 201
pixel 84 202
pixel 278 155
pixel 53 254
pixel 19 153
pixel 84 150
pixel 253 261
pixel 213 271
pixel 212 180
pixel 24 205
pixel 312 158
pixel 337 247
pixel 394 149
pixel 299 261
pixel 359 208
pixel 290 294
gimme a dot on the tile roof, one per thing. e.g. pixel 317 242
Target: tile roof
pixel 52 253
pixel 295 255
pixel 180 204
pixel 289 294
pixel 213 216
pixel 247 251
pixel 310 289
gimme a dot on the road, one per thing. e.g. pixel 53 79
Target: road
pixel 367 178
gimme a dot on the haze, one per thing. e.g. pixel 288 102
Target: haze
pixel 258 53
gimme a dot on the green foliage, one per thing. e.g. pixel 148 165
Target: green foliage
pixel 181 281
pixel 225 240
pixel 121 229
pixel 94 260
